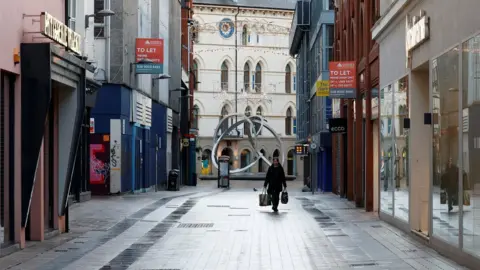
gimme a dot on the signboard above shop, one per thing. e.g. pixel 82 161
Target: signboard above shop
pixel 337 125
pixel 57 31
pixel 149 54
pixel 343 79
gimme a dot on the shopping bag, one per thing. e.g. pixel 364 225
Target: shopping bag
pixel 443 197
pixel 284 198
pixel 264 199
pixel 466 198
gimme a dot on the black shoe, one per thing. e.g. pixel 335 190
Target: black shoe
pixel 275 210
pixel 450 209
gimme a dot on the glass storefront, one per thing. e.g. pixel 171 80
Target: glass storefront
pixel 455 184
pixel 470 141
pixel 394 170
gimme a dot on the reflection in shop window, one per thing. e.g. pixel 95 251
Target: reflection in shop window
pixel 446 210
pixel 470 139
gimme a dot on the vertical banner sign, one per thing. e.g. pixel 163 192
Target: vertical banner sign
pixel 322 88
pixel 150 51
pixel 343 79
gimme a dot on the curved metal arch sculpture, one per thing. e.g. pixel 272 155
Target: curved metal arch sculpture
pixel 252 120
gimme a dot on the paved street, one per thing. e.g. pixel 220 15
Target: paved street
pixel 207 228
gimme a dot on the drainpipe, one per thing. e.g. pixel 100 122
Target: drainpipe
pixel 107 43
pixel 236 66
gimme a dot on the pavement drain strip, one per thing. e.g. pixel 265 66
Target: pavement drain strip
pixel 133 253
pixel 104 237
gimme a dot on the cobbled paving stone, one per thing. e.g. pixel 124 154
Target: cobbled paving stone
pixel 228 230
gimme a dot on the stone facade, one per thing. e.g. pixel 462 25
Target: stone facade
pixel 262 45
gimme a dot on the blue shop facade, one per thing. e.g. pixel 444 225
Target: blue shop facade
pixel 311 43
pixel 128 139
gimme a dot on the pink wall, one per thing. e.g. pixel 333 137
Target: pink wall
pixel 12 25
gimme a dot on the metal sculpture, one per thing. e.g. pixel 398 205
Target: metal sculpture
pixel 252 138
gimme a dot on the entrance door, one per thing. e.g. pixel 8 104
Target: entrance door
pixel 290 162
pixel 139 164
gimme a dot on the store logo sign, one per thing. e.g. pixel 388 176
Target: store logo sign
pixel 337 125
pixel 57 31
pixel 417 30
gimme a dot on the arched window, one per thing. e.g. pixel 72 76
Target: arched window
pixel 246 77
pixel 276 153
pixel 246 126
pixel 288 79
pixel 288 122
pixel 224 113
pixel 245 36
pixel 195 74
pixel 259 113
pixel 196 110
pixel 224 76
pixel 258 78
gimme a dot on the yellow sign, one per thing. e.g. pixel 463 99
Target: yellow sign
pixel 54 29
pixel 322 88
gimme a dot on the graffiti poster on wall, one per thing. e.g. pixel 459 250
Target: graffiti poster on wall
pixel 99 159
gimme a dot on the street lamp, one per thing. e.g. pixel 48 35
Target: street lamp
pixel 102 13
pixel 161 77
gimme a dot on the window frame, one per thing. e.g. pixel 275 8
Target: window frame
pixel 258 78
pixel 98 21
pixel 224 80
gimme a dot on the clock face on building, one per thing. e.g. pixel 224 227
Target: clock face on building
pixel 226 28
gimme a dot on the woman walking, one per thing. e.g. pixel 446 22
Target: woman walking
pixel 275 179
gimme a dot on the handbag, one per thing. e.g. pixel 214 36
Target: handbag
pixel 443 197
pixel 466 198
pixel 264 199
pixel 284 198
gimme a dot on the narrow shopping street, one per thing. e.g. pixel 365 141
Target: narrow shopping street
pixel 209 228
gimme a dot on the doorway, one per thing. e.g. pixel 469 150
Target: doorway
pixel 206 162
pixel 261 161
pixel 290 162
pixel 245 159
pixel 7 139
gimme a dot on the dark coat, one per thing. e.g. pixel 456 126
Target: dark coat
pixel 275 179
pixel 449 180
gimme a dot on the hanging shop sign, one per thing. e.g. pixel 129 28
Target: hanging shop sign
pixel 343 79
pixel 301 149
pixel 417 30
pixel 322 88
pixel 337 125
pixel 57 31
pixel 151 50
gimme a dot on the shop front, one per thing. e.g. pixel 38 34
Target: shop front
pixel 428 147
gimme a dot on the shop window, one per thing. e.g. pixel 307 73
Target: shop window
pixel 471 144
pixel 446 160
